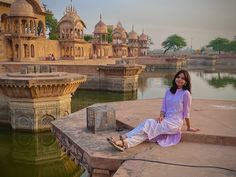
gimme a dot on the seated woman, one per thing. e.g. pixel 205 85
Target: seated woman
pixel 165 130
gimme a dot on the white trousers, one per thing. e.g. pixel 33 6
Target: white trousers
pixel 136 136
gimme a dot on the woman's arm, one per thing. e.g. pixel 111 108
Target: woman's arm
pixel 189 128
pixel 163 108
pixel 186 111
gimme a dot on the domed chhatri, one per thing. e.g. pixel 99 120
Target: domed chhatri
pixel 21 8
pixel 132 35
pixel 71 28
pixel 119 37
pixel 36 99
pixel 100 27
pixel 143 44
pixel 133 43
pixel 143 37
pixel 23 29
pixel 100 40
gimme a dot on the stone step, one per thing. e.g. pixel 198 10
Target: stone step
pixel 184 154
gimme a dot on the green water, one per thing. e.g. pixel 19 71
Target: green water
pixel 34 155
pixel 217 85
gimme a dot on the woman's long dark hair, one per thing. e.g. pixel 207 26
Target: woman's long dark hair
pixel 187 85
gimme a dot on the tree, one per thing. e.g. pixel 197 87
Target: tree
pixel 219 44
pixel 173 42
pixel 52 25
pixel 150 42
pixel 88 37
pixel 232 46
pixel 109 37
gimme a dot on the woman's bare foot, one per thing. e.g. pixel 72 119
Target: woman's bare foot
pixel 193 129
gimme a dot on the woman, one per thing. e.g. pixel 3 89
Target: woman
pixel 166 129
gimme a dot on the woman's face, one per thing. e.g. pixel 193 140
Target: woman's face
pixel 180 80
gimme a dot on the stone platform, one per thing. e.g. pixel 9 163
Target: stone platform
pixel 214 145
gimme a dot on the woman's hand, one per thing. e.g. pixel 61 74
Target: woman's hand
pixel 160 119
pixel 193 129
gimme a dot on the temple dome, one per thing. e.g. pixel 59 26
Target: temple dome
pixel 72 17
pixel 120 31
pixel 143 37
pixel 21 8
pixel 100 27
pixel 132 35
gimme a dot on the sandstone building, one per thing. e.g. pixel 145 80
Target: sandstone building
pixel 23 35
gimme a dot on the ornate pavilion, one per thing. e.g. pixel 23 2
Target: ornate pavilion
pixel 23 35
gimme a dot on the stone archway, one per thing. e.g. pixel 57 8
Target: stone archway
pixel 16 51
pixel 45 121
pixel 40 29
pixel 32 51
pixel 4 22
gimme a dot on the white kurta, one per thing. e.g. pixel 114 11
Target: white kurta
pixel 176 107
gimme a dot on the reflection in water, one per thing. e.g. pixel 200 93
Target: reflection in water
pixel 33 155
pixel 85 98
pixel 205 84
pixel 219 81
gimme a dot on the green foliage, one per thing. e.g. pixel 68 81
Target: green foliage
pixel 231 46
pixel 109 30
pixel 219 44
pixel 150 42
pixel 52 26
pixel 88 37
pixel 221 82
pixel 173 42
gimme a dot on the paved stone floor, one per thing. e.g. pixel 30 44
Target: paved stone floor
pixel 214 145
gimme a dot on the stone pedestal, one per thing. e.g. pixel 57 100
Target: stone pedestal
pixel 121 77
pixel 35 99
pixel 101 118
pixel 36 114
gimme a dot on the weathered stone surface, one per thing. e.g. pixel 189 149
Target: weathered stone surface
pixel 206 147
pixel 185 154
pixel 30 69
pixel 34 100
pixel 111 77
pixel 44 69
pixel 101 118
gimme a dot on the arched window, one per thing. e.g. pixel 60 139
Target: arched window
pixel 31 26
pixel 82 51
pixel 15 26
pixel 67 51
pixel 25 50
pixel 23 26
pixel 71 51
pixel 79 52
pixel 40 28
pixel 4 22
pixel 32 50
pixel 17 51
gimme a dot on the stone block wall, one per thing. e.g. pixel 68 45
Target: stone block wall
pixel 4 113
pixel 44 47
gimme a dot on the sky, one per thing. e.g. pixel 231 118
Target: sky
pixel 198 21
